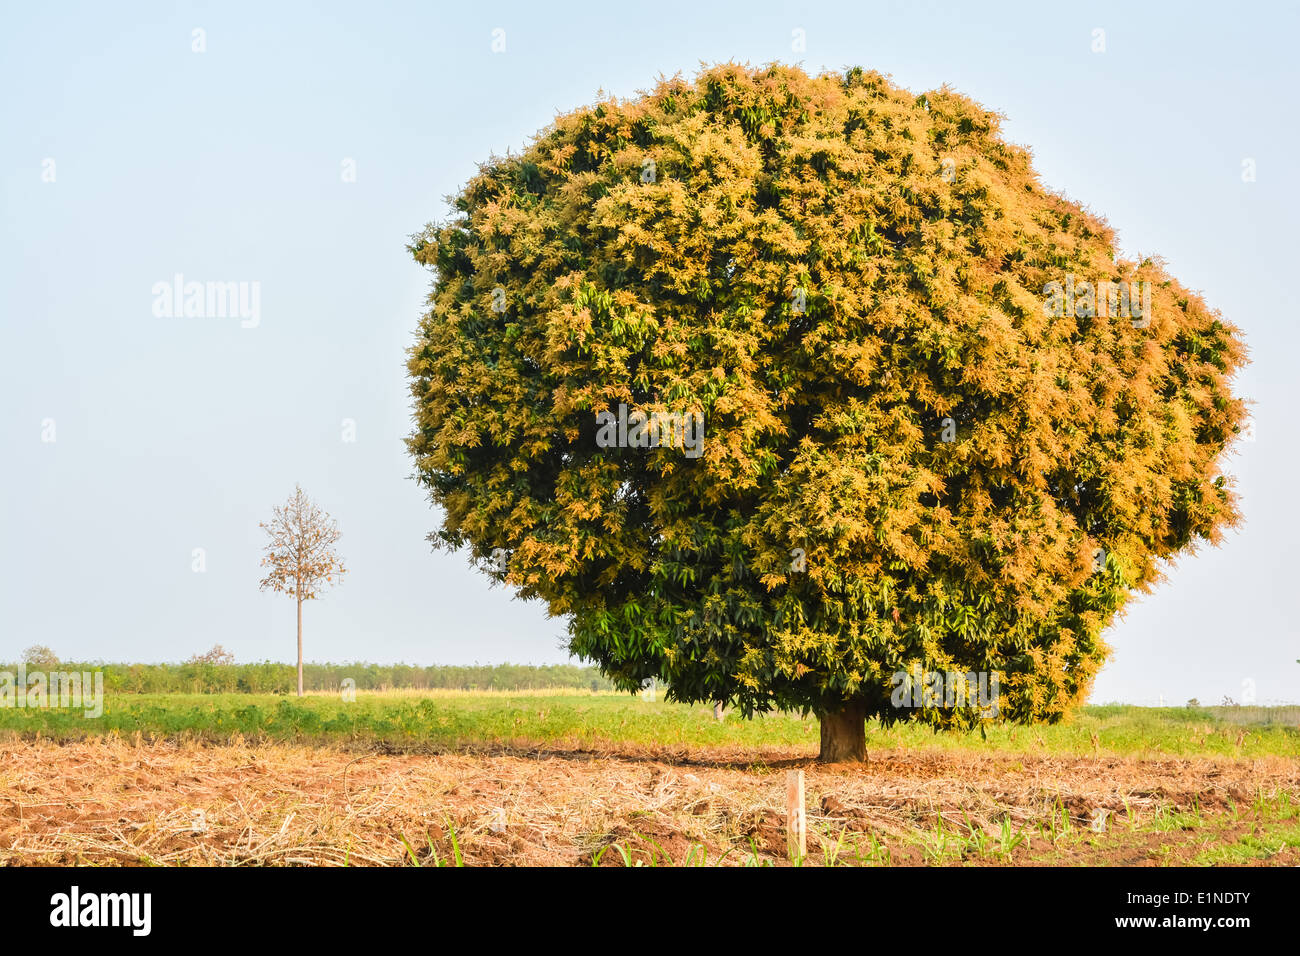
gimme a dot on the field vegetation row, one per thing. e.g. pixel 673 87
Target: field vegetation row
pixel 415 722
pixel 271 677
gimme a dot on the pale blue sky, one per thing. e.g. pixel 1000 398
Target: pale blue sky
pixel 173 434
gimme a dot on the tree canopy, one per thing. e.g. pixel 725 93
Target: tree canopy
pixel 939 432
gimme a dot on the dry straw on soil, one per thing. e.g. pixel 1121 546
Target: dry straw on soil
pixel 111 801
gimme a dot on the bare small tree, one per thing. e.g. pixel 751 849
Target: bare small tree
pixel 39 655
pixel 300 554
pixel 218 656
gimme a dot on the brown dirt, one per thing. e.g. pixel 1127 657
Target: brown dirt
pixel 109 801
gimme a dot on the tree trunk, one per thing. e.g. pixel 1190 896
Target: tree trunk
pixel 844 734
pixel 300 646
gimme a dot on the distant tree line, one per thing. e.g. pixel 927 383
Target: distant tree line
pixel 216 673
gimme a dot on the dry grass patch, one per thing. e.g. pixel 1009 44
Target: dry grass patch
pixel 111 801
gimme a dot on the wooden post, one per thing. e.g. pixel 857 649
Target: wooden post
pixel 796 817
